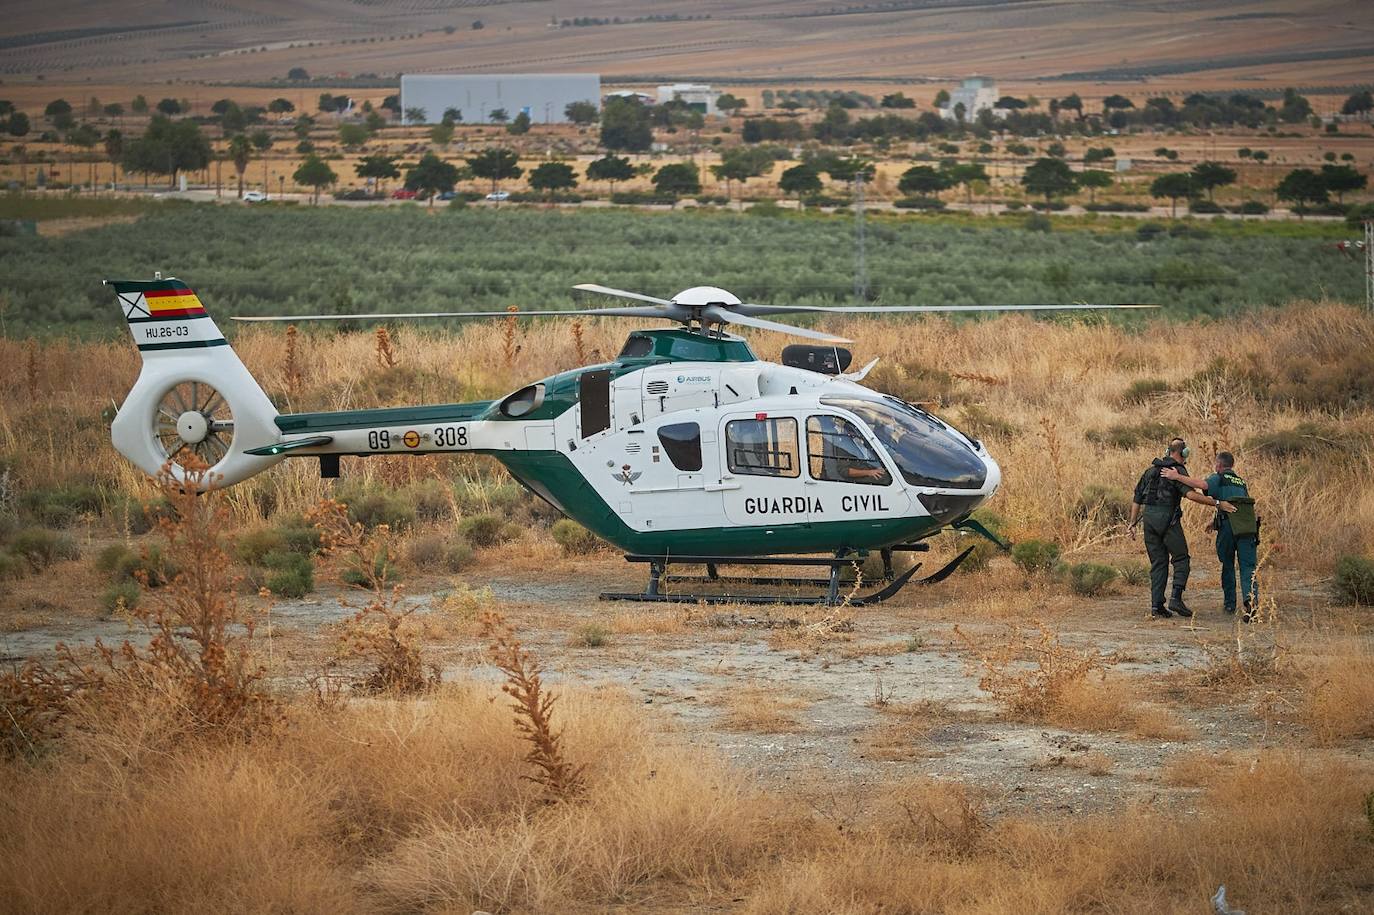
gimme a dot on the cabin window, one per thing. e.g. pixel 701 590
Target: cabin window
pixel 763 447
pixel 682 443
pixel 838 452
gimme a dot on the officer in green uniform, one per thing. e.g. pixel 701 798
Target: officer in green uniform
pixel 1237 534
pixel 1158 503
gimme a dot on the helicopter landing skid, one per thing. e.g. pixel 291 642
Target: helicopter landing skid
pixel 658 577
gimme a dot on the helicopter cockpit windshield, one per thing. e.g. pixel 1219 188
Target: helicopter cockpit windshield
pixel 926 452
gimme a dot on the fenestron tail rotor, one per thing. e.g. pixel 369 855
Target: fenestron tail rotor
pixel 193 418
pixel 706 307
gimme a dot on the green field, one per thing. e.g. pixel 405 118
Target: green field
pixel 295 260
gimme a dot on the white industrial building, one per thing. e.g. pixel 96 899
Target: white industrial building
pixel 543 96
pixel 977 93
pixel 697 96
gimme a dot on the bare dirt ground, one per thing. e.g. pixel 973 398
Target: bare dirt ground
pixel 826 703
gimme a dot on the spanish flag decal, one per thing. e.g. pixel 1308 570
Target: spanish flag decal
pixel 172 303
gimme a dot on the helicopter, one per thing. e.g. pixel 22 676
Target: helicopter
pixel 686 449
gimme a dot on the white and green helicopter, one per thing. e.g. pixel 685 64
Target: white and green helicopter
pixel 686 449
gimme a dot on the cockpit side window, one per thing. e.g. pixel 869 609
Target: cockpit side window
pixel 763 447
pixel 838 452
pixel 925 451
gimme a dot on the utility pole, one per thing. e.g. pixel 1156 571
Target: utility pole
pixel 1369 264
pixel 860 262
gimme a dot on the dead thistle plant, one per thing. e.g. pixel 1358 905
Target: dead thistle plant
pixel 195 659
pixel 382 629
pixel 292 368
pixel 579 345
pixel 509 349
pixel 533 708
pixel 386 354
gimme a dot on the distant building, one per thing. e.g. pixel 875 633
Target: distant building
pixel 542 96
pixel 977 93
pixel 697 96
pixel 643 98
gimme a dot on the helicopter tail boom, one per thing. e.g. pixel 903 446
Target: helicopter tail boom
pixel 193 395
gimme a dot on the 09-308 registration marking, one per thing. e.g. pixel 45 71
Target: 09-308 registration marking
pixel 441 437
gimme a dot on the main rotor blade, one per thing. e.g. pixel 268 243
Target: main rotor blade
pixel 729 316
pixel 751 309
pixel 619 293
pixel 613 312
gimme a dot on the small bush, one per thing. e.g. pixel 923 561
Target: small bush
pixel 1035 557
pixel 373 509
pixel 575 539
pixel 425 552
pixel 112 558
pixel 40 548
pixel 292 575
pixel 253 546
pixel 1129 436
pixel 1307 439
pixel 484 530
pixel 590 635
pixel 60 506
pixel 1133 573
pixel 366 575
pixel 1149 231
pixel 11 567
pixel 1038 222
pixel 149 568
pixel 120 596
pixel 1354 580
pixel 1143 390
pixel 457 555
pixel 1090 579
pixel 1205 206
pixel 431 498
pixel 1251 208
pixel 1102 503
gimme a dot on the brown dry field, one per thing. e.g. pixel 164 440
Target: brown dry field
pixel 743 759
pixel 1022 44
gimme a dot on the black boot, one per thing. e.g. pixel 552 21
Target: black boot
pixel 1160 612
pixel 1177 605
pixel 1229 610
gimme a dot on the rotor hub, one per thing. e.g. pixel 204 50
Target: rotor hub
pixel 193 427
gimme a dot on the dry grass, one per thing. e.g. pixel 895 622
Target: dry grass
pixel 1303 849
pixel 1337 701
pixel 1036 677
pixel 762 708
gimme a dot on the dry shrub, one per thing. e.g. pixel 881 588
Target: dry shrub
pixel 761 708
pixel 533 707
pixel 1282 834
pixel 1033 692
pixel 1338 701
pixel 383 630
pixel 377 805
pixel 1036 677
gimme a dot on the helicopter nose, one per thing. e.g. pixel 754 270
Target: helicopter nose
pixel 953 504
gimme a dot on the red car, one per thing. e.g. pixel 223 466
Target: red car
pixel 403 194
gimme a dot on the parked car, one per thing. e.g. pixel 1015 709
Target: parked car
pixel 254 197
pixel 402 194
pixel 499 195
pixel 447 195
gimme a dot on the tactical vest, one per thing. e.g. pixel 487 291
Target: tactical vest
pixel 1150 484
